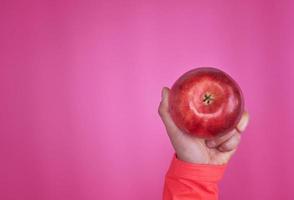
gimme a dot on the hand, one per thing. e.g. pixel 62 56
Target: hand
pixel 191 149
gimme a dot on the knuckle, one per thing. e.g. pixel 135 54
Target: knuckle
pixel 233 143
pixel 237 139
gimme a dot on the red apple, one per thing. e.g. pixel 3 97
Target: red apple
pixel 206 102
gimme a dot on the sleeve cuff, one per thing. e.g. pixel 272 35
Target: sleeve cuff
pixel 197 172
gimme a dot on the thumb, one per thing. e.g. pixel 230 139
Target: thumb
pixel 163 111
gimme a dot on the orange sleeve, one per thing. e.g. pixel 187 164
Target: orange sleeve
pixel 187 181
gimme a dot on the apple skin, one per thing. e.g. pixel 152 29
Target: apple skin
pixel 206 102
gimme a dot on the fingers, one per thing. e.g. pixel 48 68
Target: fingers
pixel 217 141
pixel 231 140
pixel 163 110
pixel 243 122
pixel 230 144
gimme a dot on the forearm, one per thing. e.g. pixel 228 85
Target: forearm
pixel 186 181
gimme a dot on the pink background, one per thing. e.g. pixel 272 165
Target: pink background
pixel 80 84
